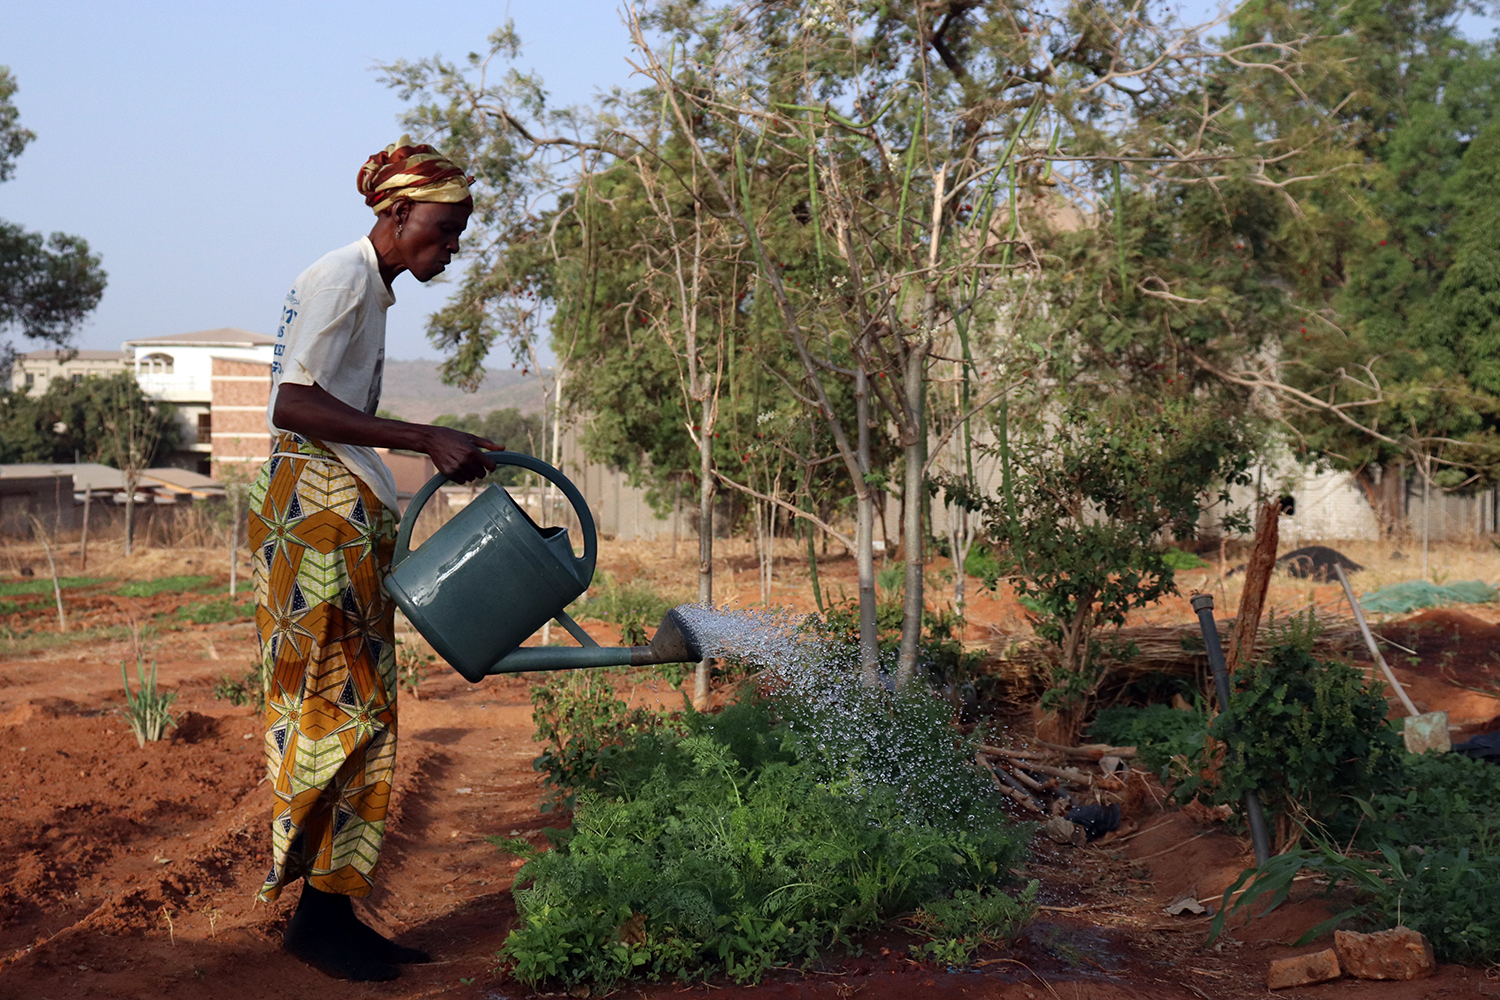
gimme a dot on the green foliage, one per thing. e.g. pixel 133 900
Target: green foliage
pixel 147 709
pixel 1177 559
pixel 956 926
pixel 247 689
pixel 1425 852
pixel 1307 735
pixel 634 605
pixel 163 585
pixel 1158 732
pixel 225 609
pixel 585 725
pixel 412 665
pixel 740 842
pixel 47 284
pixel 1080 515
pixel 11 588
pixel 86 411
pixel 1445 894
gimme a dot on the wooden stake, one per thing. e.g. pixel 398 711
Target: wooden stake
pixel 88 494
pixel 1257 580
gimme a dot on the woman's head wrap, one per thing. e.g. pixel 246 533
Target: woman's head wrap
pixel 407 170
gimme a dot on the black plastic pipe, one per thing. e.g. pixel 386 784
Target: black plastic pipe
pixel 1204 605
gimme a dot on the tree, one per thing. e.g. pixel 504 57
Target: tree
pixel 1377 376
pixel 509 428
pixel 47 284
pixel 71 421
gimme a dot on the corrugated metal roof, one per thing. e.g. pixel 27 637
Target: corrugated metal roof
pixel 86 475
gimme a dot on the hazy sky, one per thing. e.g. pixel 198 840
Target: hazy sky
pixel 208 151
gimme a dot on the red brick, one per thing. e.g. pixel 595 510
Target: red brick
pixel 1399 953
pixel 1319 967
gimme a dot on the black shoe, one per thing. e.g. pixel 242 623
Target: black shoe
pixel 386 950
pixel 324 933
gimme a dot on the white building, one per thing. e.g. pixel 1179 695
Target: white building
pixel 179 369
pixel 34 371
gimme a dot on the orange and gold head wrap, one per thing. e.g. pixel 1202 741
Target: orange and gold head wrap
pixel 407 170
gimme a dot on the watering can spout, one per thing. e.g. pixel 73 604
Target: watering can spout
pixel 674 642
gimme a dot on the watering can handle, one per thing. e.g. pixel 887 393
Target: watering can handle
pixel 580 507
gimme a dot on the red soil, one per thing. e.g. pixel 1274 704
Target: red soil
pixel 130 872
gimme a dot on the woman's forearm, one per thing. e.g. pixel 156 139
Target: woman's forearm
pixel 313 412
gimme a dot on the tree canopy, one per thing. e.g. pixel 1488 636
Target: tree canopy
pixel 48 284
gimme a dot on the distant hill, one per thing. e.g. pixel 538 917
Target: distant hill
pixel 413 391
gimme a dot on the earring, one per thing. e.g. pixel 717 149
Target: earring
pixel 398 229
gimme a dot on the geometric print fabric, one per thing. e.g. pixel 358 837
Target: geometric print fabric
pixel 322 544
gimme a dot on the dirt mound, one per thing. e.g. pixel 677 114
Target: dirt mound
pixel 1447 645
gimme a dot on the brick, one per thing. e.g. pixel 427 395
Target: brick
pixel 1399 953
pixel 1304 970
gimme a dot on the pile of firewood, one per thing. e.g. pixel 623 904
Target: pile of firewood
pixel 1052 782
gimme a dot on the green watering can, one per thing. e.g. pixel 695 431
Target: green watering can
pixel 489 578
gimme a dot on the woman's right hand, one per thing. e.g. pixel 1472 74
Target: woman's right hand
pixel 459 455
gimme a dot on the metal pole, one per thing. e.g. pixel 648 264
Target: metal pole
pixel 1203 604
pixel 1364 629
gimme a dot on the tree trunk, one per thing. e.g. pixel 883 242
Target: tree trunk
pixel 1385 489
pixel 129 510
pixel 912 535
pixel 864 536
pixel 705 537
pixel 1257 579
pixel 88 494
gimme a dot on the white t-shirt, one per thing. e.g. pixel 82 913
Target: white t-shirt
pixel 332 332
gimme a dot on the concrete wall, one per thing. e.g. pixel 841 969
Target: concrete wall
pixel 49 498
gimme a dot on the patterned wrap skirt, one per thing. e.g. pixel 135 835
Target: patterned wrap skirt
pixel 322 543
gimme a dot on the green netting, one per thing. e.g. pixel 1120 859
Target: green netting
pixel 1409 595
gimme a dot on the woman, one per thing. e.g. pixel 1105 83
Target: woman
pixel 323 516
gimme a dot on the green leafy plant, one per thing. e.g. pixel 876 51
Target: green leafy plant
pixel 957 926
pixel 1079 519
pixel 412 665
pixel 247 689
pixel 745 840
pixel 147 709
pixel 166 584
pixel 1178 559
pixel 584 723
pixel 1308 736
pixel 13 588
pixel 1446 895
pixel 224 609
pixel 633 605
pixel 1158 732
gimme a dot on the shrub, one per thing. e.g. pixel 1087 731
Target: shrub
pixel 1445 894
pixel 247 689
pixel 743 841
pixel 1308 736
pixel 1158 732
pixel 633 605
pixel 584 724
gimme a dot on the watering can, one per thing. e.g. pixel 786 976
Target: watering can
pixel 489 578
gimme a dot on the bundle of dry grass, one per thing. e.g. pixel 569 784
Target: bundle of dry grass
pixel 1023 664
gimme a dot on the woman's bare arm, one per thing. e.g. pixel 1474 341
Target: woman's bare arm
pixel 310 410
